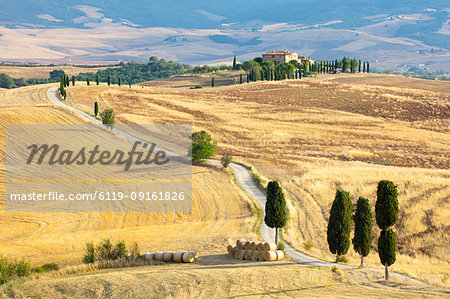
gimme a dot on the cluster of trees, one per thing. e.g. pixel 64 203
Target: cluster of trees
pixel 8 82
pixel 341 218
pixel 134 72
pixel 257 69
pixel 11 269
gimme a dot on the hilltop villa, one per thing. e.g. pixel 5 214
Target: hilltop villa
pixel 284 56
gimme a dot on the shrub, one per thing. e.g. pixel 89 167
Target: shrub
pixel 203 146
pixel 334 269
pixel 89 256
pixel 226 160
pixel 45 268
pixel 308 245
pixel 107 116
pixel 341 259
pixel 281 246
pixel 13 269
pixel 197 87
pixel 105 251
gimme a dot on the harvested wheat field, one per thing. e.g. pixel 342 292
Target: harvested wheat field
pixel 219 276
pixel 316 135
pixel 60 237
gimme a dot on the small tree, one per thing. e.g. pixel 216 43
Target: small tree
pixel 363 228
pixel 213 83
pixel 226 160
pixel 109 80
pixel 108 117
pixel 275 208
pixel 95 109
pixel 386 210
pixel 203 146
pixel 340 224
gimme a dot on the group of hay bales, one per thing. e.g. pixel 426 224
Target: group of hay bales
pixel 170 256
pixel 246 250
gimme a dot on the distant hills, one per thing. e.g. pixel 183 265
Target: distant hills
pixel 245 25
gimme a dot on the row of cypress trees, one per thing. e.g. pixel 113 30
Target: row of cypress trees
pixel 340 224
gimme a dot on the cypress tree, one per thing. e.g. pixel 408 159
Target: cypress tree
pixel 359 66
pixel 340 224
pixel 109 80
pixel 87 80
pixel 368 67
pixel 363 228
pixel 262 75
pixel 364 67
pixel 120 82
pixel 240 79
pixel 97 80
pixel 275 208
pixel 73 80
pixel 299 74
pixel 129 83
pixel 386 214
pixel 95 109
pixel 234 63
pixel 248 78
pixel 213 83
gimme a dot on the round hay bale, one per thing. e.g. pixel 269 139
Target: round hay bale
pixel 168 256
pixel 248 245
pixel 261 255
pixel 241 243
pixel 149 256
pixel 241 254
pixel 248 255
pixel 236 253
pixel 143 253
pixel 270 256
pixel 178 257
pixel 259 247
pixel 159 256
pixel 255 255
pixel 195 254
pixel 188 257
pixel 270 247
pixel 280 255
pixel 231 249
pixel 253 246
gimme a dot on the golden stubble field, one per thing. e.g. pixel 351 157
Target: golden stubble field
pixel 43 72
pixel 61 237
pixel 317 135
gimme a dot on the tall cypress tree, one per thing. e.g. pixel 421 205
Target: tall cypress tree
pixel 363 228
pixel 97 79
pixel 109 80
pixel 73 80
pixel 95 109
pixel 364 67
pixel 240 79
pixel 213 83
pixel 368 67
pixel 275 208
pixel 234 63
pixel 386 214
pixel 87 80
pixel 359 66
pixel 340 224
pixel 120 82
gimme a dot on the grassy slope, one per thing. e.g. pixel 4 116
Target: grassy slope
pixel 60 237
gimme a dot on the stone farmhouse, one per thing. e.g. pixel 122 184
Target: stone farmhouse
pixel 284 56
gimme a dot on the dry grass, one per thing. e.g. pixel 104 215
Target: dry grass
pixel 60 237
pixel 43 72
pixel 221 276
pixel 306 134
